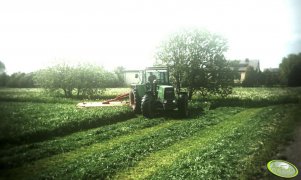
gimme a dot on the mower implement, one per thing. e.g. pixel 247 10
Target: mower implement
pixel 111 102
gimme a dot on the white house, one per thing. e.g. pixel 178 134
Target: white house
pixel 243 66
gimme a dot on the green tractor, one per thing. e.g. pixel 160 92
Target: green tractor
pixel 154 93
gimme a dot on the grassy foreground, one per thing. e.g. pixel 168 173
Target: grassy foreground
pixel 56 140
pixel 201 147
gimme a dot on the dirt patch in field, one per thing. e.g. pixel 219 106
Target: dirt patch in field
pixel 292 152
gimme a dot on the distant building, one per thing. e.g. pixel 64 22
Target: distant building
pixel 243 66
pixel 131 77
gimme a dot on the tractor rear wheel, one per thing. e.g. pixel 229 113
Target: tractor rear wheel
pixel 135 101
pixel 183 105
pixel 147 107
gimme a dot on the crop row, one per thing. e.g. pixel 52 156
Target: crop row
pixel 23 122
pixel 105 158
pixel 254 97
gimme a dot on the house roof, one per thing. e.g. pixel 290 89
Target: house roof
pixel 131 70
pixel 244 64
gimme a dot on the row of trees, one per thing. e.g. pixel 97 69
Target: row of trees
pixel 267 78
pixel 81 80
pixel 289 74
pixel 17 80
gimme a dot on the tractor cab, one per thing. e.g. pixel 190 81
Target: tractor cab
pixel 158 75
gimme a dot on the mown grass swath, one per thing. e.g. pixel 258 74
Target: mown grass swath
pixel 19 155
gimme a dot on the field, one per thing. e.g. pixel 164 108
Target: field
pixel 46 137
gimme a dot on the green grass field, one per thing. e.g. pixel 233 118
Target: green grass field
pixel 46 137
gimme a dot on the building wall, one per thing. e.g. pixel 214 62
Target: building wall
pixel 242 76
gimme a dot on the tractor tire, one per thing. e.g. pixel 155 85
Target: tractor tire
pixel 147 107
pixel 135 101
pixel 183 105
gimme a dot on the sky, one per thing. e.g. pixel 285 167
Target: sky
pixel 35 34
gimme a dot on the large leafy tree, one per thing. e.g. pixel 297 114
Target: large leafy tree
pixel 290 70
pixel 196 61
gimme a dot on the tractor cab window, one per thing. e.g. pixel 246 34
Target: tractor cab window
pixel 159 75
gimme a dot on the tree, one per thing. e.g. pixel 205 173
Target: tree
pixel 3 79
pixel 119 71
pixel 196 61
pixel 84 80
pixel 3 76
pixel 252 78
pixel 2 68
pixel 270 78
pixel 19 80
pixel 290 70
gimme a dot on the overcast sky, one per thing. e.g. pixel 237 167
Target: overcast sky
pixel 36 33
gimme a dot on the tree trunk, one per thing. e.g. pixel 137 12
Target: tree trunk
pixel 65 92
pixel 190 93
pixel 78 92
pixel 69 92
pixel 178 83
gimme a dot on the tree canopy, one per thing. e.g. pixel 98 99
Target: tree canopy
pixel 196 61
pixel 290 70
pixel 119 73
pixel 2 67
pixel 252 77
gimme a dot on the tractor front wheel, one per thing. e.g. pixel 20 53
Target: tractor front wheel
pixel 147 107
pixel 135 101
